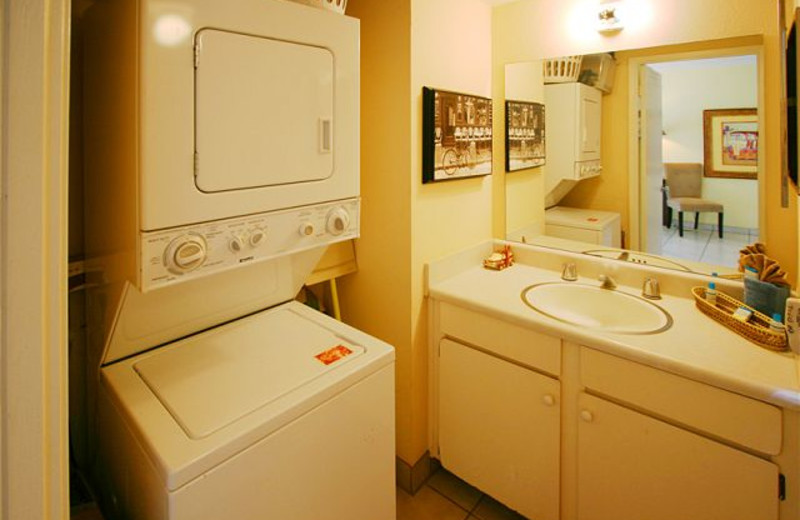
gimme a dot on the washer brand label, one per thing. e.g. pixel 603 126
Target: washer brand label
pixel 332 355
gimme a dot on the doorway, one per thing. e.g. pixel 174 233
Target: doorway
pixel 671 95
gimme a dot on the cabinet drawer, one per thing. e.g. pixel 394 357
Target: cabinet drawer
pixel 519 344
pixel 726 415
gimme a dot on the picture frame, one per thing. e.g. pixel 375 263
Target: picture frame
pixel 456 135
pixel 525 135
pixel 730 143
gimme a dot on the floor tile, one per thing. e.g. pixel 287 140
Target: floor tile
pixel 721 253
pixel 427 504
pixel 455 489
pixel 490 509
pixel 734 238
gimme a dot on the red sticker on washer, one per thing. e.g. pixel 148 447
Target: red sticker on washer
pixel 334 354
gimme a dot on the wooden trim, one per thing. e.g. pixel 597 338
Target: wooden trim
pixel 34 463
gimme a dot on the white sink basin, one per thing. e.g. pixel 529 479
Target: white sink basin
pixel 590 306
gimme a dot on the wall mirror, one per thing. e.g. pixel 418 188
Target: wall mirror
pixel 611 201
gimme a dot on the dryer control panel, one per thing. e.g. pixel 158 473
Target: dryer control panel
pixel 189 252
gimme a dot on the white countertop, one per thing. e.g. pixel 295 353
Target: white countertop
pixel 696 346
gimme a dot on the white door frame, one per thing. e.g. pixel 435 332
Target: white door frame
pixel 635 184
pixel 34 88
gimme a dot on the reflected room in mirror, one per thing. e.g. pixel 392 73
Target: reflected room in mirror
pixel 614 128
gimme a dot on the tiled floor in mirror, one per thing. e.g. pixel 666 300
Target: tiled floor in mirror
pixel 704 245
pixel 446 497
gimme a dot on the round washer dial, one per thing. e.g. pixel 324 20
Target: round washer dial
pixel 185 253
pixel 338 221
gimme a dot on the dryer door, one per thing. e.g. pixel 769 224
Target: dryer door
pixel 264 112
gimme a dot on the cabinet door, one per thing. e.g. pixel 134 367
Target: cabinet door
pixel 499 429
pixel 631 466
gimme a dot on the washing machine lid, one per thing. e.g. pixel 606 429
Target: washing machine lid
pixel 217 377
pixel 580 218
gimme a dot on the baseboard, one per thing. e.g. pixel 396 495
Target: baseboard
pixel 411 478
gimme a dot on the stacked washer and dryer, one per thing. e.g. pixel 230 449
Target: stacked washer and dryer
pixel 221 158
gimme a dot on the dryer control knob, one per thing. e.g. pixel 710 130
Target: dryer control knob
pixel 185 253
pixel 338 221
pixel 306 229
pixel 257 237
pixel 236 244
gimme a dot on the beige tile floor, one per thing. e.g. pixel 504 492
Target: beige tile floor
pixel 446 497
pixel 704 245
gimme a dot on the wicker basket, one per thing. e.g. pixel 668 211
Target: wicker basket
pixel 756 329
pixel 337 6
pixel 562 70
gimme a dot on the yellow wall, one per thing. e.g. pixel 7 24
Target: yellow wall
pixel 406 45
pixel 450 49
pixel 533 29
pixel 377 298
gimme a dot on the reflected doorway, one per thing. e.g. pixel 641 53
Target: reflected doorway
pixel 672 97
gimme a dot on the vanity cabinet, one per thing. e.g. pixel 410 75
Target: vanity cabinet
pixel 631 465
pixel 556 430
pixel 499 428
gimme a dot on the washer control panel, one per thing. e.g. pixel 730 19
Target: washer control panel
pixel 190 252
pixel 586 169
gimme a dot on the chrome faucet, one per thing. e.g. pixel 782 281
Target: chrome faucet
pixel 569 272
pixel 606 282
pixel 651 290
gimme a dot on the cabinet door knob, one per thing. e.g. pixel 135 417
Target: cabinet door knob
pixel 548 400
pixel 587 416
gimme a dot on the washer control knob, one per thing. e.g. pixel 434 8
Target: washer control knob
pixel 236 244
pixel 185 253
pixel 257 237
pixel 338 221
pixel 306 229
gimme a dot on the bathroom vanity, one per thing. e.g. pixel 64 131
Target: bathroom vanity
pixel 559 421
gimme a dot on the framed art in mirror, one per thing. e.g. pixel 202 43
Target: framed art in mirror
pixel 456 135
pixel 525 135
pixel 730 143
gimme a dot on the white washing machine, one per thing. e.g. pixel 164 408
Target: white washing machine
pixel 283 414
pixel 584 225
pixel 221 158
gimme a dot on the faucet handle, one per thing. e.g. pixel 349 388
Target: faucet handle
pixel 650 289
pixel 569 272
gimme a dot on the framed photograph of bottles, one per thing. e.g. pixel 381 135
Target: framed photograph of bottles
pixel 525 135
pixel 456 135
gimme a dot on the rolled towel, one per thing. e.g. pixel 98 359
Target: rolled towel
pixel 768 269
pixel 756 248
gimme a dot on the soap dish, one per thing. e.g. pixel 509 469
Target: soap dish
pixel 756 329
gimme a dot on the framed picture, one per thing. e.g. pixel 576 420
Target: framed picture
pixel 456 135
pixel 730 143
pixel 525 141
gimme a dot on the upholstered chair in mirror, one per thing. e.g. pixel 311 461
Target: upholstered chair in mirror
pixel 684 183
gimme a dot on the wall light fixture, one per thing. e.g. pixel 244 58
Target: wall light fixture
pixel 609 18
